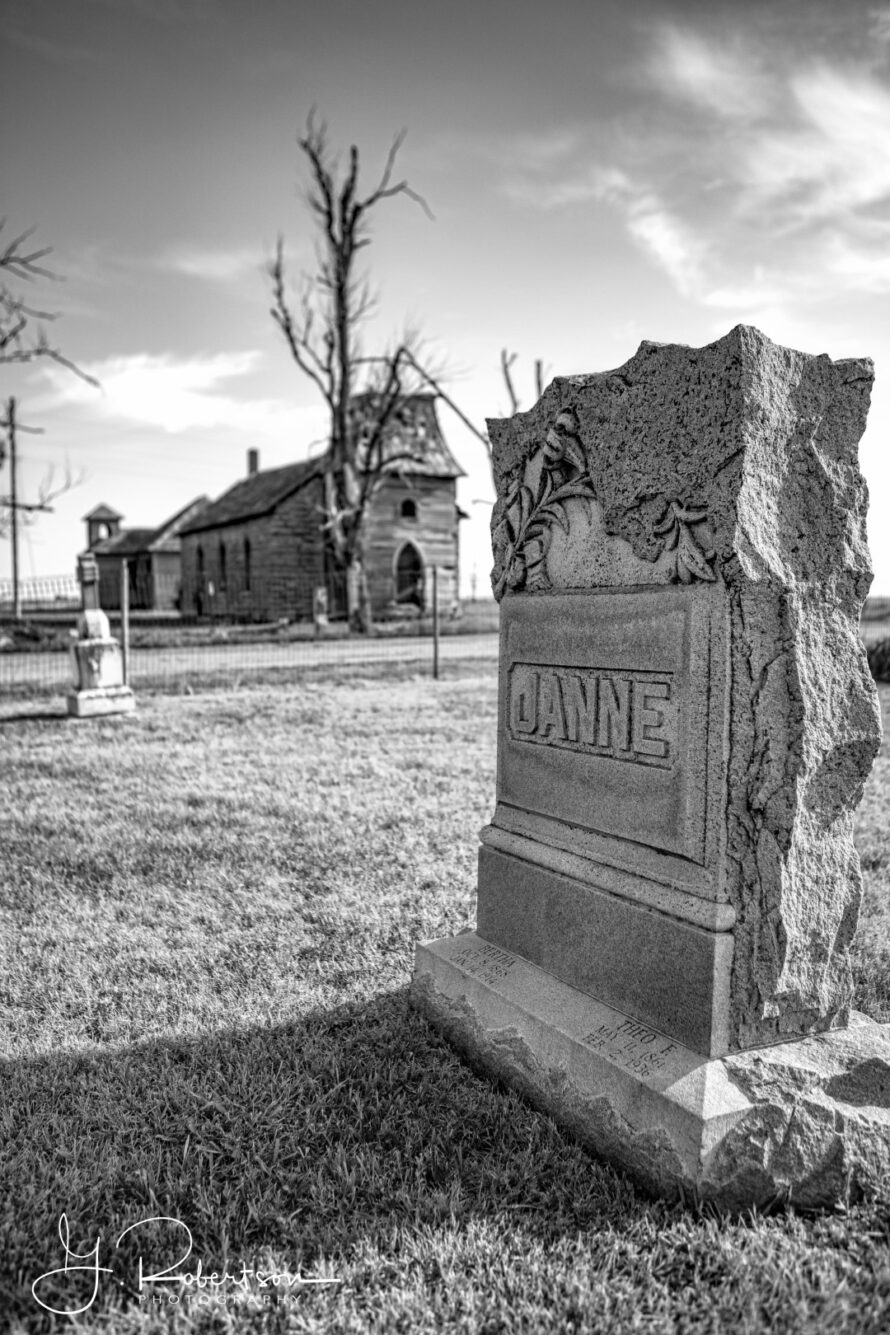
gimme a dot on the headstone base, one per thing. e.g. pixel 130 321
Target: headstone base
pixel 102 700
pixel 806 1122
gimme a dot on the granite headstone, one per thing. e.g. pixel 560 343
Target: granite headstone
pixel 668 888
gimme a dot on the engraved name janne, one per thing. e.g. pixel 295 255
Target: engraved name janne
pixel 620 714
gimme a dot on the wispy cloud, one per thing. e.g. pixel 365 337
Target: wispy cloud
pixel 658 231
pixel 833 161
pixel 749 166
pixel 215 265
pixel 727 79
pixel 651 224
pixel 542 148
pixel 177 395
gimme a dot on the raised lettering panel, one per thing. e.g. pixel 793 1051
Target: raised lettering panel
pixel 629 715
pixel 607 704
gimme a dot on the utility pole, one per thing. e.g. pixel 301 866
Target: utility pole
pixel 13 503
pixel 435 622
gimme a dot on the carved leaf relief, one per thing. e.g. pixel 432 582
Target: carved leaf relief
pixel 522 534
pixel 690 562
pixel 535 503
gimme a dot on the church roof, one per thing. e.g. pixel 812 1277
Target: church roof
pixel 166 538
pixel 415 431
pixel 128 542
pixel 413 443
pixel 255 495
pixel 133 541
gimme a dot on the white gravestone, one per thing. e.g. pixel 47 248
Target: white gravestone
pixel 98 671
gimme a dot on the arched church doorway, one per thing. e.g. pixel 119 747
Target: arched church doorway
pixel 409 576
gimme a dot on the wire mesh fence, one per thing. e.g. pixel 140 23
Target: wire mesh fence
pixel 166 650
pixel 169 651
pixel 188 667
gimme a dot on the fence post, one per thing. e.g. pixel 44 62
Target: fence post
pixel 435 621
pixel 125 620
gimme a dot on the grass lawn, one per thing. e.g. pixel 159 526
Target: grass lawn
pixel 209 914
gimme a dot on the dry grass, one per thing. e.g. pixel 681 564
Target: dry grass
pixel 210 910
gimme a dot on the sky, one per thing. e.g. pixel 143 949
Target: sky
pixel 599 173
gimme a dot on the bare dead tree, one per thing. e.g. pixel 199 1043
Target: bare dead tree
pixel 363 393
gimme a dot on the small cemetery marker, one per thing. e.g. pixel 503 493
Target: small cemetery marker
pixel 98 672
pixel 320 609
pixel 668 889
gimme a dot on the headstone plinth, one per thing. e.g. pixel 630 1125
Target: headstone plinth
pixel 668 888
pixel 98 669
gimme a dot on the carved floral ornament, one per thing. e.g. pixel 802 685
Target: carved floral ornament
pixel 523 529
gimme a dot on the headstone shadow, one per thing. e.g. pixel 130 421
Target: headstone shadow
pixel 304 1140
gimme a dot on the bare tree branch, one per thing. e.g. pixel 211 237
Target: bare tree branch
pixel 18 343
pixel 22 265
pixel 436 386
pixel 506 363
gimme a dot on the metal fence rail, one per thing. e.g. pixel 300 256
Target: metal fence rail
pixel 41 593
pixel 167 651
pixel 176 666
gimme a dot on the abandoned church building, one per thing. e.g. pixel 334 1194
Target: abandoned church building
pixel 259 552
pixel 152 555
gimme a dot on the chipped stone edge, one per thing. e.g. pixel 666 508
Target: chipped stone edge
pixel 708 1136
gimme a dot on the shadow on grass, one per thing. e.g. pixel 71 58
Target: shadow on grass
pixel 35 716
pixel 298 1144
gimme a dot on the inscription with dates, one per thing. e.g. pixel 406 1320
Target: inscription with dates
pixel 633 1046
pixel 487 963
pixel 621 714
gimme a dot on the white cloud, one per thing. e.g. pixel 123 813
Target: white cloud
pixel 177 395
pixel 654 227
pixel 835 160
pixel 756 174
pixel 658 231
pixel 669 243
pixel 218 266
pixel 721 79
pixel 781 196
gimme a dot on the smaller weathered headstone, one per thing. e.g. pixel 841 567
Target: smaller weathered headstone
pixel 668 889
pixel 320 609
pixel 98 669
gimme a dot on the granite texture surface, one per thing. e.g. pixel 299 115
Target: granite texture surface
pixel 731 467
